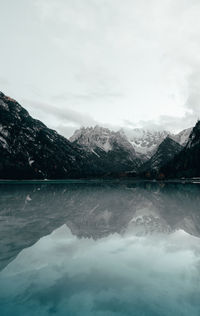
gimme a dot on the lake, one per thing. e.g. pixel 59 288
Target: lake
pixel 99 248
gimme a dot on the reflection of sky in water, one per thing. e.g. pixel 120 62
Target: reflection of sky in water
pixel 116 275
pixel 100 249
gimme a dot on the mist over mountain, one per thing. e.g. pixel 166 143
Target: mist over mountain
pixel 145 142
pixel 182 137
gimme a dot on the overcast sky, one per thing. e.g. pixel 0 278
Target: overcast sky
pixel 133 63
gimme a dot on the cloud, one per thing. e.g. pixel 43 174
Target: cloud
pixel 65 114
pixel 63 119
pixel 193 100
pixel 86 96
pixel 168 123
pixel 62 274
pixel 191 106
pixel 4 81
pixel 132 62
pixel 171 123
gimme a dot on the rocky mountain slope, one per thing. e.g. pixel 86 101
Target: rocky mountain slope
pixel 28 149
pixel 182 137
pixel 187 162
pixel 145 142
pixel 112 149
pixel 165 152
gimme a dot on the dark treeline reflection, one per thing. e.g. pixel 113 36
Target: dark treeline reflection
pixel 31 211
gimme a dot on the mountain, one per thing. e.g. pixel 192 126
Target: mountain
pixel 182 137
pixel 112 149
pixel 186 163
pixel 30 150
pixel 165 152
pixel 145 142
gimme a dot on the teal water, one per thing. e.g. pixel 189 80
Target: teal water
pixel 99 248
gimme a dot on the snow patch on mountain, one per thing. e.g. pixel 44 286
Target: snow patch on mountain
pixel 101 138
pixel 145 142
pixel 182 137
pixel 165 152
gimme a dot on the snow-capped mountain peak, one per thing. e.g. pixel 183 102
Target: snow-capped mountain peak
pixel 182 137
pixel 111 149
pixel 165 152
pixel 100 137
pixel 142 143
pixel 145 142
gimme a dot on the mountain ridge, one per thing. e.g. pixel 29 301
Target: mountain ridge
pixel 165 152
pixel 112 147
pixel 30 150
pixel 144 141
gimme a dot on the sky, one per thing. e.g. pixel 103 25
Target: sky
pixel 115 63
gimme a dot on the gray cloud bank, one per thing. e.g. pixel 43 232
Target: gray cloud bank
pixel 108 62
pixel 64 120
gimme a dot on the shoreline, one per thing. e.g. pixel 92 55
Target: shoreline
pixel 74 181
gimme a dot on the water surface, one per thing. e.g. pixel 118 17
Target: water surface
pixel 99 248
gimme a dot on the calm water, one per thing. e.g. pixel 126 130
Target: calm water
pixel 99 249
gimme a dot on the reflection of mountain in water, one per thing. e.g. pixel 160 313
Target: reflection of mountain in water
pixel 29 212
